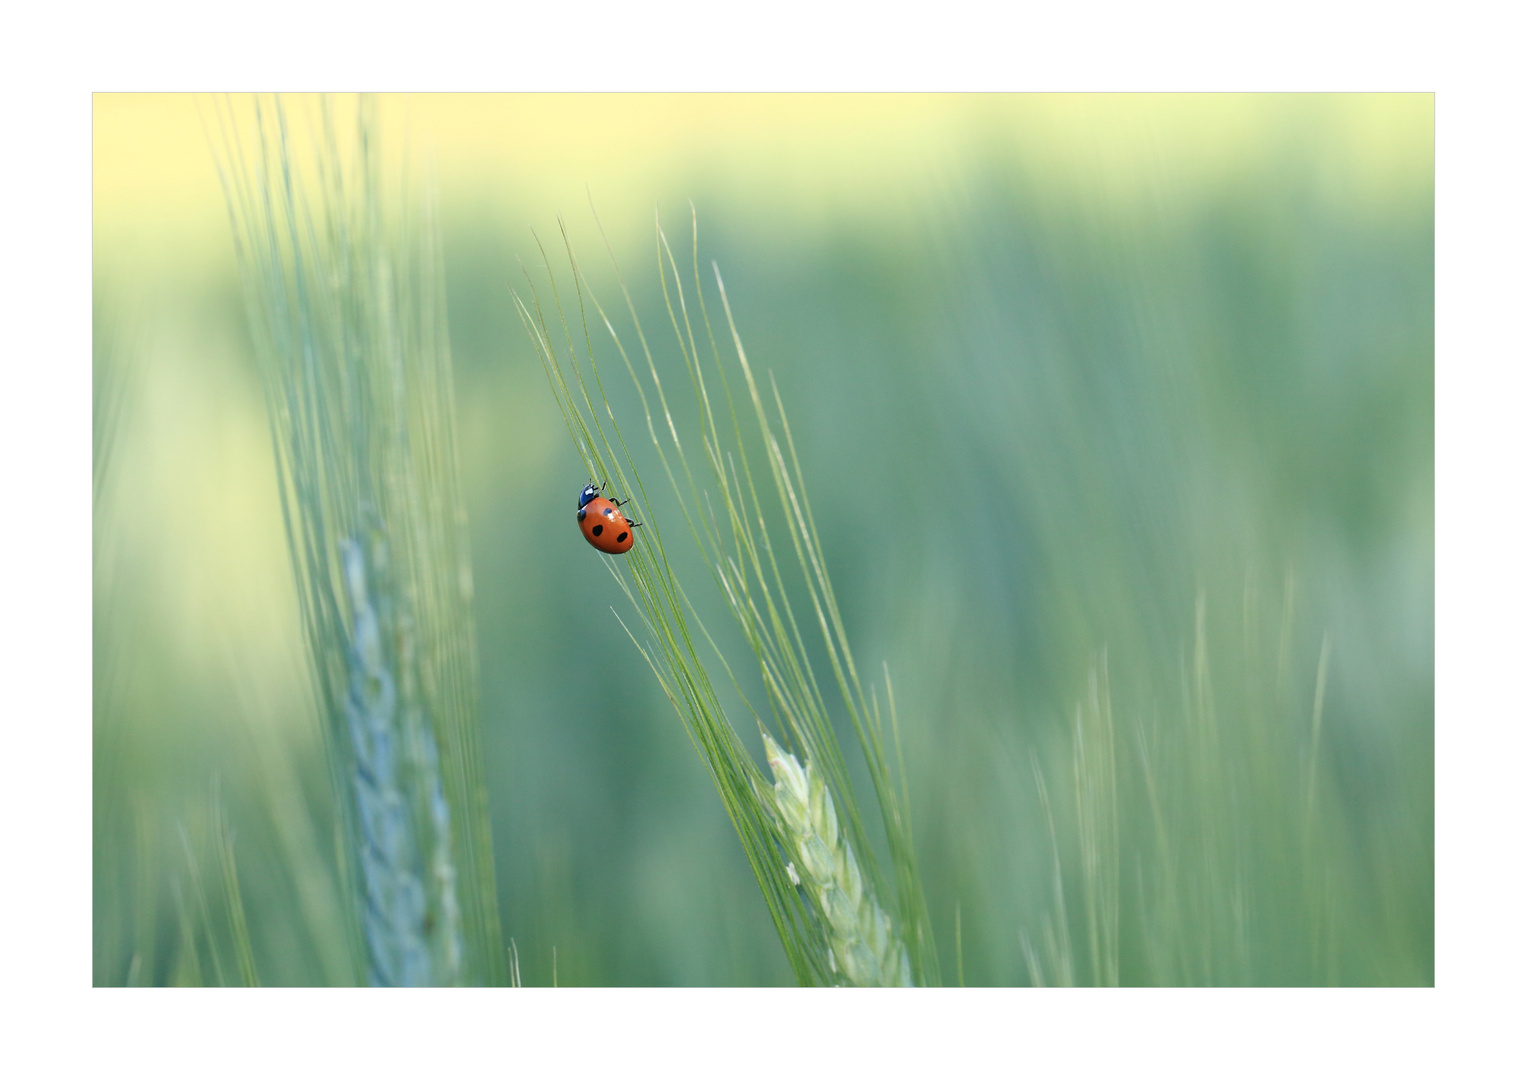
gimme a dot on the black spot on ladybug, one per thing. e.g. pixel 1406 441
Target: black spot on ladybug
pixel 609 512
pixel 582 513
pixel 621 539
pixel 598 529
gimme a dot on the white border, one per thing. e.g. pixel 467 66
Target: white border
pixel 1469 57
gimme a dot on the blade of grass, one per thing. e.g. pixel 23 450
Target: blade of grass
pixel 233 896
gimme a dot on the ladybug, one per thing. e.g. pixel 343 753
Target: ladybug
pixel 603 524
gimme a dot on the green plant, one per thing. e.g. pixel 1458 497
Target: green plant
pixel 123 863
pixel 227 930
pixel 829 912
pixel 345 300
pixel 1226 866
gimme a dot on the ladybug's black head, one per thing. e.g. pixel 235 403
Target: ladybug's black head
pixel 587 495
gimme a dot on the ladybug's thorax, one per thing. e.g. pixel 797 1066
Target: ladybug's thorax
pixel 587 495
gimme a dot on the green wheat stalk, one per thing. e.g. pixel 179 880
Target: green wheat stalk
pixel 231 931
pixel 345 297
pixel 233 895
pixel 1223 848
pixel 826 907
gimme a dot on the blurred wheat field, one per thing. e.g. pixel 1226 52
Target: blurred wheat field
pixel 1116 414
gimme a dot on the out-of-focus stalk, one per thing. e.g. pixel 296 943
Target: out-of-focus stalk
pixel 343 285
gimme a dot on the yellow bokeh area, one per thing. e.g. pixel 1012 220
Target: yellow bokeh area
pixel 811 158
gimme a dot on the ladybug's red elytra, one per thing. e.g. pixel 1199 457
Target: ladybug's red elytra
pixel 603 524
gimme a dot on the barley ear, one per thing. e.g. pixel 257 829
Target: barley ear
pixel 864 947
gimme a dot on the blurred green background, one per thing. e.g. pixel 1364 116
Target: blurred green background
pixel 1144 375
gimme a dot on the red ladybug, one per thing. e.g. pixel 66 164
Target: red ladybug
pixel 603 524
